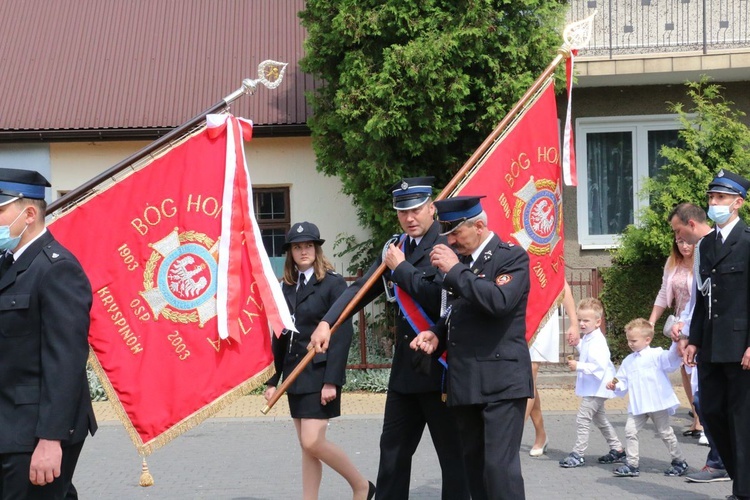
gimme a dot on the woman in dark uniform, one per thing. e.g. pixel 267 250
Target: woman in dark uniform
pixel 310 286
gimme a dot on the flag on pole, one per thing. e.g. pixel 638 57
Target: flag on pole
pixel 520 174
pixel 184 294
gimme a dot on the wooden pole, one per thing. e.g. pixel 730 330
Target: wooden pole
pixel 448 189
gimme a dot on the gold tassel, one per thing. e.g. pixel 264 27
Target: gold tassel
pixel 146 478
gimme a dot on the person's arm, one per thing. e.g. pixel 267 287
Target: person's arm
pixel 670 360
pixel 660 303
pixel 321 337
pixel 338 351
pixel 569 305
pixel 65 299
pixel 496 295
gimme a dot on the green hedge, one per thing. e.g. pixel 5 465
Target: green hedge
pixel 629 293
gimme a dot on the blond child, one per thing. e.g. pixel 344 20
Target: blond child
pixel 593 370
pixel 644 375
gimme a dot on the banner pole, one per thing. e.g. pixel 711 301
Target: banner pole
pixel 270 75
pixel 563 54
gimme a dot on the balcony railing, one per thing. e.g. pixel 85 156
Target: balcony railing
pixel 656 26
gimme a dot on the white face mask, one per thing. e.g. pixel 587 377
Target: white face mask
pixel 719 213
pixel 8 242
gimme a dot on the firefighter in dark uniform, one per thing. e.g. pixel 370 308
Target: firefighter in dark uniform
pixel 45 300
pixel 484 333
pixel 720 328
pixel 415 386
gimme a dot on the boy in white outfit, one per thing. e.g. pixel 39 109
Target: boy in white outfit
pixel 644 375
pixel 593 370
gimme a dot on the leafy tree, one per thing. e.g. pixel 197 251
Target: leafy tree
pixel 713 137
pixel 412 87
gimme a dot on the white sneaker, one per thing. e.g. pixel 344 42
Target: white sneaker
pixel 703 440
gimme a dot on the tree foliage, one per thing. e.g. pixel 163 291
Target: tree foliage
pixel 412 87
pixel 712 137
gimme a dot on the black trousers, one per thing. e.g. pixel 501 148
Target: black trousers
pixel 491 439
pixel 725 408
pixel 14 476
pixel 403 425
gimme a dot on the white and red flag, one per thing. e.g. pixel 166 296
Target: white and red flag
pixel 520 175
pixel 184 294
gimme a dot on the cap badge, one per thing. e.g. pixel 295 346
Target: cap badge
pixel 299 228
pixel 404 185
pixel 721 173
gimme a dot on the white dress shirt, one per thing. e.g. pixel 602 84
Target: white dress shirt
pixel 594 369
pixel 643 374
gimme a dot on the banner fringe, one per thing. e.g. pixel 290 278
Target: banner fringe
pixel 145 449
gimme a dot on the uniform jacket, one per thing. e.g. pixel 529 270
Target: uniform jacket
pixel 485 333
pixel 326 368
pixel 723 337
pixel 421 281
pixel 45 301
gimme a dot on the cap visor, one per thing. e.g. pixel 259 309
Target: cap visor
pixel 5 199
pixel 410 203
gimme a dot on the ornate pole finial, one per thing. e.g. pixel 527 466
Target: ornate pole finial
pixel 577 35
pixel 270 74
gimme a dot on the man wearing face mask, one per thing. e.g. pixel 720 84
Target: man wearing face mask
pixel 45 299
pixel 719 329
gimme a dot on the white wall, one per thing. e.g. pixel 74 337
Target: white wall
pixel 277 161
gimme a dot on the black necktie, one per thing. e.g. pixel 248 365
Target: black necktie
pixel 718 243
pixel 6 263
pixel 411 247
pixel 466 259
pixel 302 282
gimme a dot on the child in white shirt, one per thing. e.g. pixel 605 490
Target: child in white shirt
pixel 644 375
pixel 593 370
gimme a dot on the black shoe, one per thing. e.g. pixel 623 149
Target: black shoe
pixel 371 491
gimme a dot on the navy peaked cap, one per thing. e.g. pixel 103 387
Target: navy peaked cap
pixel 18 183
pixel 302 231
pixel 730 183
pixel 411 192
pixel 452 212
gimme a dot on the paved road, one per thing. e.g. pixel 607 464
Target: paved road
pixel 258 458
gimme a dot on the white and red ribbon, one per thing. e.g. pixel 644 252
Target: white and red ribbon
pixel 569 156
pixel 239 230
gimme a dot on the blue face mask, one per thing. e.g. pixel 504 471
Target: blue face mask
pixel 8 242
pixel 719 213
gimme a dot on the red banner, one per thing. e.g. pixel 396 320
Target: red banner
pixel 150 245
pixel 520 175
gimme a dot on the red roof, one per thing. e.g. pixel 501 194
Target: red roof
pixel 134 64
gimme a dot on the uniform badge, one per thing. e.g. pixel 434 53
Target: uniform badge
pixel 537 216
pixel 404 185
pixel 55 255
pixel 179 278
pixel 721 173
pixel 487 255
pixel 299 228
pixel 503 279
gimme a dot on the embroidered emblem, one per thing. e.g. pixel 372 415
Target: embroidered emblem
pixel 503 279
pixel 537 216
pixel 179 278
pixel 299 228
pixel 55 255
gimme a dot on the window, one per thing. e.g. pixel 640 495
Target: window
pixel 615 156
pixel 272 213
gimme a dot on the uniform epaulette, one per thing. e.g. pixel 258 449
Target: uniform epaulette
pixel 332 273
pixel 52 253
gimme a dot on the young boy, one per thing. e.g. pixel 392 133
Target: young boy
pixel 644 374
pixel 593 370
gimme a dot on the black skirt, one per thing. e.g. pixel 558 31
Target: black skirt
pixel 308 405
